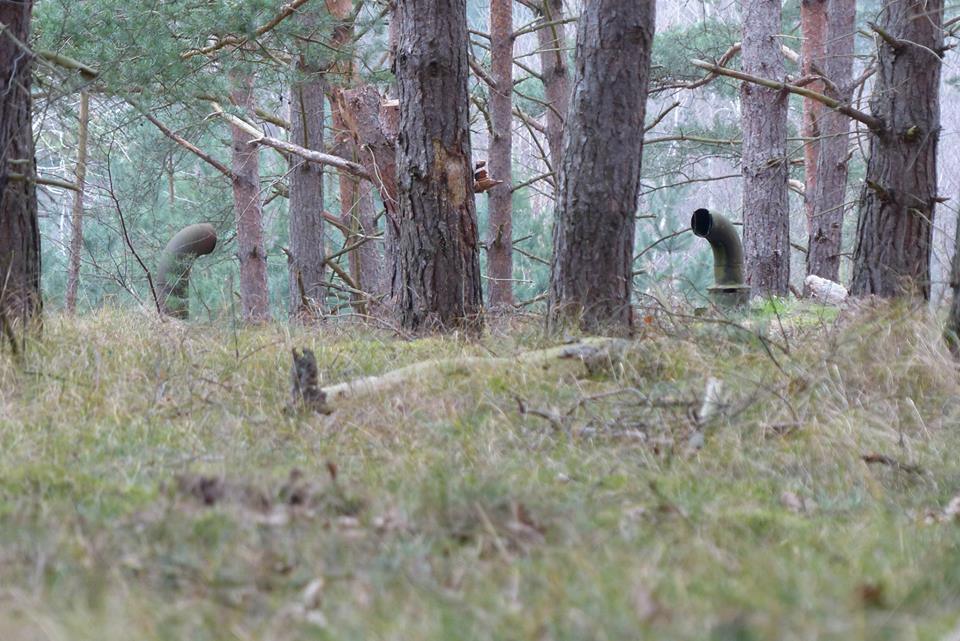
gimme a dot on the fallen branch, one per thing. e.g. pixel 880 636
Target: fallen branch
pixel 591 352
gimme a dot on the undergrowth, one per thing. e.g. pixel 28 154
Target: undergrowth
pixel 154 486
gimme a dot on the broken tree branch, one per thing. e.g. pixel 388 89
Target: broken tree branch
pixel 348 166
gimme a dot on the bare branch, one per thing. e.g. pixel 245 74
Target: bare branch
pixel 186 144
pixel 874 124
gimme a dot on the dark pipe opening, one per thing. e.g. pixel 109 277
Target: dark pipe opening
pixel 701 223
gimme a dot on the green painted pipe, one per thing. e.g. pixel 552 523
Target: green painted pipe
pixel 730 289
pixel 176 260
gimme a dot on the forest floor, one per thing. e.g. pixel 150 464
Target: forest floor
pixel 154 485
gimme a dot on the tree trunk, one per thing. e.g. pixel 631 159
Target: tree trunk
pixel 500 231
pixel 306 259
pixel 254 295
pixel 813 27
pixel 552 40
pixel 952 330
pixel 591 273
pixel 438 246
pixel 373 125
pixel 828 196
pixel 892 254
pixel 76 220
pixel 766 215
pixel 19 224
pixel 368 258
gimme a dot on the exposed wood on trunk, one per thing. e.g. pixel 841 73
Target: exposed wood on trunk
pixel 439 262
pixel 766 215
pixel 76 219
pixel 254 296
pixel 591 275
pixel 892 254
pixel 827 204
pixel 19 225
pixel 500 230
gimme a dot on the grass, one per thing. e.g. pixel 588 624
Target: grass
pixel 152 486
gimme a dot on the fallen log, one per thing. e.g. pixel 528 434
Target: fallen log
pixel 594 353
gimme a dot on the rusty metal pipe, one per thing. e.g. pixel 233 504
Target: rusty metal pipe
pixel 730 290
pixel 177 258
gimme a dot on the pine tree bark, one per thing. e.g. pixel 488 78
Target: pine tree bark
pixel 813 27
pixel 952 329
pixel 896 214
pixel 766 215
pixel 438 260
pixel 374 126
pixel 552 41
pixel 254 295
pixel 357 209
pixel 306 258
pixel 76 219
pixel 500 231
pixel 19 225
pixel 591 275
pixel 826 198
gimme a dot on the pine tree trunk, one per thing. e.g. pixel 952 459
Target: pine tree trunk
pixel 952 330
pixel 829 193
pixel 892 254
pixel 368 258
pixel 813 27
pixel 500 232
pixel 552 41
pixel 766 215
pixel 357 209
pixel 373 126
pixel 593 236
pixel 76 220
pixel 254 296
pixel 19 224
pixel 306 259
pixel 438 259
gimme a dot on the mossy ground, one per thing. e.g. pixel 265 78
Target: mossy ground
pixel 153 487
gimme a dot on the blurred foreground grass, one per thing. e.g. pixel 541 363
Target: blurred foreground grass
pixel 153 488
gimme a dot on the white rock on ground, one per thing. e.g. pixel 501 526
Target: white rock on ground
pixel 825 291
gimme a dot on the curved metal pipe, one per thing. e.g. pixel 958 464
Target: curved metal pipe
pixel 176 260
pixel 730 289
